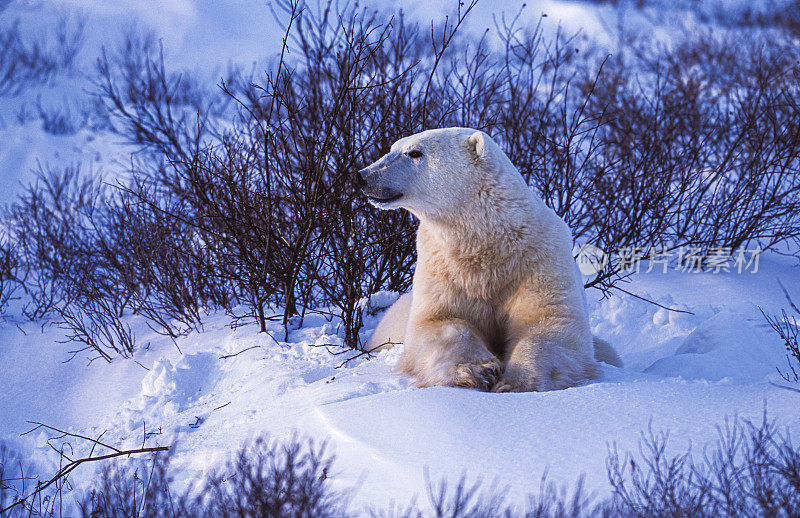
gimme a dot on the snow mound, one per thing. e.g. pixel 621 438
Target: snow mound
pixel 643 332
pixel 512 439
pixel 183 382
pixel 731 346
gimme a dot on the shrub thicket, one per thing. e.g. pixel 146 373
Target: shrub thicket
pixel 241 197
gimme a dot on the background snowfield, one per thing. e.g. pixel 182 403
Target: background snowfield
pixel 211 391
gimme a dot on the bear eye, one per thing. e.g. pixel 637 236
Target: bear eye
pixel 415 153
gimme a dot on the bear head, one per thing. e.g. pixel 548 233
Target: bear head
pixel 433 173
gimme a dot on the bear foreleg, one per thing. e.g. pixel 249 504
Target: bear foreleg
pixel 540 362
pixel 451 353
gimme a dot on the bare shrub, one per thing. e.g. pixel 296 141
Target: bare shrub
pixel 97 326
pixel 25 60
pixel 659 484
pixel 133 489
pixel 9 274
pixel 344 106
pixel 12 476
pixel 751 470
pixel 788 329
pixel 89 258
pixel 61 119
pixel 266 478
pixel 265 199
pixel 779 14
pixel 477 500
pixel 17 478
pixel 667 148
pixel 274 479
pixel 142 101
pixel 464 499
pixel 45 497
pixel 163 264
pixel 64 274
pixel 44 223
pixel 222 200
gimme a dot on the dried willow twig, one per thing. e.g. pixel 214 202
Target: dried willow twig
pixel 70 466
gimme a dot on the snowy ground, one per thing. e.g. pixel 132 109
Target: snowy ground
pixel 383 432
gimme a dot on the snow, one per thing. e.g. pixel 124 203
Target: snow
pixel 685 372
pixel 715 351
pixel 27 148
pixel 515 438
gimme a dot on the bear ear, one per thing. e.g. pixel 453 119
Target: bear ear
pixel 477 141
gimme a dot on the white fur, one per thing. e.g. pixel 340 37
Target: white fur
pixel 391 330
pixel 497 300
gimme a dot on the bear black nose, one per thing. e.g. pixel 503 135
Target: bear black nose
pixel 360 177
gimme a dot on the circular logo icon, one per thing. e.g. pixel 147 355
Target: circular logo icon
pixel 591 259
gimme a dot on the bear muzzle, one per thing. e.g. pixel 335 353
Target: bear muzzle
pixel 376 195
pixel 360 177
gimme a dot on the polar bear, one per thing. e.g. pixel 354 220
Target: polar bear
pixel 497 301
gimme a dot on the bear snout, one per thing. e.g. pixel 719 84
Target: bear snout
pixel 373 183
pixel 360 177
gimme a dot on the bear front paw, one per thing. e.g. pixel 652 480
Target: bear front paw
pixel 482 375
pixel 502 386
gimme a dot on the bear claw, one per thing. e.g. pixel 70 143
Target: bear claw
pixel 502 386
pixel 482 376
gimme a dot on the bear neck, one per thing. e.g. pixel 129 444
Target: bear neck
pixel 500 216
